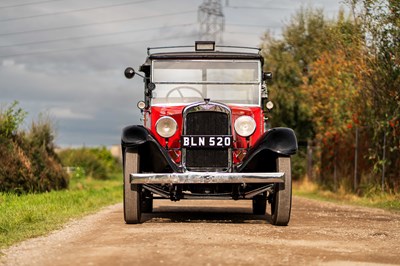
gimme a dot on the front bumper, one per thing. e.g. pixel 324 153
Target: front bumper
pixel 206 178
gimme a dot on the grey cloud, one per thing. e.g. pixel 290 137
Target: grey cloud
pixel 80 81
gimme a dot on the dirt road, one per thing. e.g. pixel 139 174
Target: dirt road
pixel 220 233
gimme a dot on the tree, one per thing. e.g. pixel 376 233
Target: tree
pixel 303 80
pixel 380 23
pixel 332 76
pixel 304 39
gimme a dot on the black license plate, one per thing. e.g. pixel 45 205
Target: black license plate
pixel 206 141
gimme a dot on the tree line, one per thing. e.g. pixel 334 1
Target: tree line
pixel 336 83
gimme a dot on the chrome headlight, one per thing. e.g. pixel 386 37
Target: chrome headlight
pixel 166 126
pixel 245 126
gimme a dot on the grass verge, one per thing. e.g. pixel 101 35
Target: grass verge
pixel 33 215
pixel 375 199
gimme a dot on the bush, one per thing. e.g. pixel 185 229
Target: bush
pixel 28 162
pixel 96 162
pixel 10 120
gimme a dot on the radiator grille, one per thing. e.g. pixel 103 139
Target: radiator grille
pixel 207 123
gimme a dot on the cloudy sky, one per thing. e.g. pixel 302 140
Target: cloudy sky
pixel 67 57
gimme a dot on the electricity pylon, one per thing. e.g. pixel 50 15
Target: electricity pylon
pixel 212 20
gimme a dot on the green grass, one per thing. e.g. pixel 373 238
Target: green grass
pixel 32 215
pixel 374 198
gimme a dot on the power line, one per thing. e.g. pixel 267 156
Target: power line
pixel 247 25
pixel 75 10
pixel 97 23
pixel 227 4
pixel 30 4
pixel 95 46
pixel 243 33
pixel 258 7
pixel 93 35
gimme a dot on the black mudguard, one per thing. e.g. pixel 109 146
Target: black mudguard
pixel 153 157
pixel 273 143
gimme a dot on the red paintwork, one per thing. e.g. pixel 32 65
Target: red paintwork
pixel 240 143
pixel 155 112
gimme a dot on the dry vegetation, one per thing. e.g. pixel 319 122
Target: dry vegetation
pixel 28 161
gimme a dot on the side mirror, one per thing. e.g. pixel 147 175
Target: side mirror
pixel 267 75
pixel 129 72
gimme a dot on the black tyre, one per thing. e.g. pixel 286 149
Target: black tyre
pixel 259 205
pixel 282 198
pixel 132 193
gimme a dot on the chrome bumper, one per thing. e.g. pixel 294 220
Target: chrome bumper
pixel 206 178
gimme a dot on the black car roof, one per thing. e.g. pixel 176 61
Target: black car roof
pixel 206 55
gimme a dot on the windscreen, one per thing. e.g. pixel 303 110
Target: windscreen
pixel 226 81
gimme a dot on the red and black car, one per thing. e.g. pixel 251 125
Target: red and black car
pixel 205 133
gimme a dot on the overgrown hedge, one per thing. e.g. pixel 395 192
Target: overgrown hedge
pixel 28 162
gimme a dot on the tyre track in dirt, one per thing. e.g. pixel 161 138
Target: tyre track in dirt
pixel 220 233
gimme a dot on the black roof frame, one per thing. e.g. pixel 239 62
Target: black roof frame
pixel 192 46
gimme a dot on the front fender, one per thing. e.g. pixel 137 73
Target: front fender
pixel 273 143
pixel 153 157
pixel 133 136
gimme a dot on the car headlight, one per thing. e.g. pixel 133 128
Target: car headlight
pixel 166 126
pixel 245 126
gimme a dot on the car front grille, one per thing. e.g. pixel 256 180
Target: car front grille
pixel 207 123
pixel 199 121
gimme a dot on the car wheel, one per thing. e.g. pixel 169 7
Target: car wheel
pixel 282 197
pixel 132 193
pixel 259 205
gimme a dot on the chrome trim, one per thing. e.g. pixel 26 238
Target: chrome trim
pixel 206 178
pixel 208 106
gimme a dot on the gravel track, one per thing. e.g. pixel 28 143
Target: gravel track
pixel 220 233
